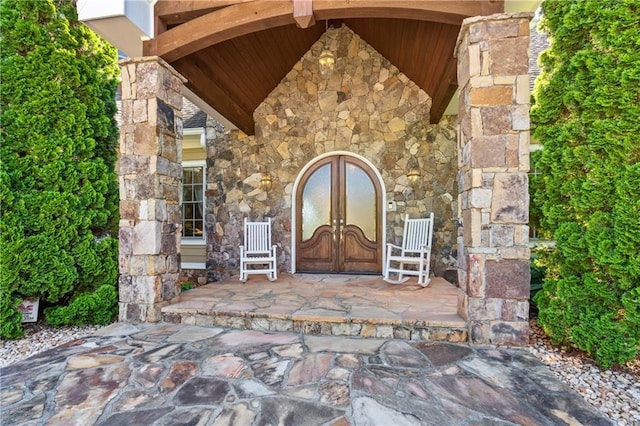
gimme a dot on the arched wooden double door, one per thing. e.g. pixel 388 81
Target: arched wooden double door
pixel 339 218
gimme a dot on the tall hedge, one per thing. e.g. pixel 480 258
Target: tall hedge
pixel 58 188
pixel 586 113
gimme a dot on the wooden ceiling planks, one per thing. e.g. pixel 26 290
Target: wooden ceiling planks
pixel 444 87
pixel 202 84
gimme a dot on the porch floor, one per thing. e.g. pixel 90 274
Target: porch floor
pixel 346 305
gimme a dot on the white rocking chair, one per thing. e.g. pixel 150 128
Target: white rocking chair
pixel 415 252
pixel 257 250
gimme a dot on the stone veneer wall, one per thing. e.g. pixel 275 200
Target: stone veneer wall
pixel 493 247
pixel 367 107
pixel 150 178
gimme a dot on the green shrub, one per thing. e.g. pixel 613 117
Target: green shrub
pixel 10 317
pixel 585 113
pixel 537 277
pixel 98 307
pixel 187 286
pixel 535 210
pixel 58 187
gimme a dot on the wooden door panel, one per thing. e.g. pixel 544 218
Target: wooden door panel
pixel 318 253
pixel 344 191
pixel 359 253
pixel 360 205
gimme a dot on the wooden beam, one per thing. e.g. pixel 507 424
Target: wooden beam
pixel 221 25
pixel 247 17
pixel 179 7
pixel 442 11
pixel 175 12
pixel 492 6
pixel 165 8
pixel 303 13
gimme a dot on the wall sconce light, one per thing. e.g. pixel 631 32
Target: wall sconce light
pixel 266 183
pixel 413 172
pixel 326 61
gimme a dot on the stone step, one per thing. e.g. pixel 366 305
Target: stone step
pixel 454 332
pixel 338 305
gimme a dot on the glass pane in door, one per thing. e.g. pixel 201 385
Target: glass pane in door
pixel 360 199
pixel 316 201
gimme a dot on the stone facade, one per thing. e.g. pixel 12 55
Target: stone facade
pixel 150 178
pixel 193 276
pixel 369 109
pixel 493 57
pixel 366 107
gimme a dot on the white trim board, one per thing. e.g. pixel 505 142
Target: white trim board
pixel 192 265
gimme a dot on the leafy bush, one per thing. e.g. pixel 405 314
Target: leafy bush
pixel 98 307
pixel 585 112
pixel 58 188
pixel 187 286
pixel 10 317
pixel 535 210
pixel 537 277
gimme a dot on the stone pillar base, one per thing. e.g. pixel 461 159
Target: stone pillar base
pixel 140 312
pixel 493 152
pixel 150 178
pixel 502 333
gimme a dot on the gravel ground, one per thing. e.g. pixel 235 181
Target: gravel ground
pixel 38 337
pixel 616 393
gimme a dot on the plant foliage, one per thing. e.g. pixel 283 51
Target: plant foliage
pixel 98 307
pixel 58 188
pixel 586 114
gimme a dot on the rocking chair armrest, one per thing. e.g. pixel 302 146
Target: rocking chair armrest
pixel 393 246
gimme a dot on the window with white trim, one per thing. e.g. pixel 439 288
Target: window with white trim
pixel 193 201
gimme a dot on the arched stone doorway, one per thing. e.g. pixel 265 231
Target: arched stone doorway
pixel 338 216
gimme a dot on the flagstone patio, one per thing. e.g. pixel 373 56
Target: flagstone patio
pixel 172 374
pixel 342 305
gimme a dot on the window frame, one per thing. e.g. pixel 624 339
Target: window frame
pixel 195 241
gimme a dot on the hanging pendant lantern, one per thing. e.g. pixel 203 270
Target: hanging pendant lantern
pixel 326 62
pixel 266 183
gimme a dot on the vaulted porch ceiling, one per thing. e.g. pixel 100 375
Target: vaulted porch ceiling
pixel 234 53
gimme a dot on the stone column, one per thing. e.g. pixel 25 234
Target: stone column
pixel 493 152
pixel 150 178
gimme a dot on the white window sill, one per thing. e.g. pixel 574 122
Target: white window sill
pixel 187 265
pixel 194 242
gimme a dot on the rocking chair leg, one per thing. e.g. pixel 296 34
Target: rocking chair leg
pixel 401 279
pixel 424 279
